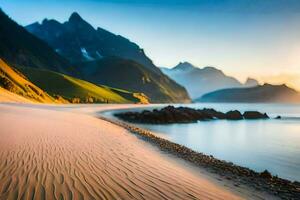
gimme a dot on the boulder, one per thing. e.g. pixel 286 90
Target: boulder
pixel 265 174
pixel 234 115
pixel 255 115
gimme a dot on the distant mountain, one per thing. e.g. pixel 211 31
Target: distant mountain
pixel 95 50
pixel 15 82
pixel 38 72
pixel 75 90
pixel 264 93
pixel 184 66
pixel 78 41
pixel 200 81
pixel 132 76
pixel 250 82
pixel 18 47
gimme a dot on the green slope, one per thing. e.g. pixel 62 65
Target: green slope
pixel 78 91
pixel 15 82
pixel 132 76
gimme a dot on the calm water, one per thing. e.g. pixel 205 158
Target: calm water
pixel 257 144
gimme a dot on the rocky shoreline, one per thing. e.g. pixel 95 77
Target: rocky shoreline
pixel 171 114
pixel 263 181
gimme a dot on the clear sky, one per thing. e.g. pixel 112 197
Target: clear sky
pixel 257 38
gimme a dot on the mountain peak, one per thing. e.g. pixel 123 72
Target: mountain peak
pixel 32 27
pixel 212 70
pixel 75 17
pixel 208 68
pixel 48 22
pixel 251 82
pixel 184 66
pixel 282 86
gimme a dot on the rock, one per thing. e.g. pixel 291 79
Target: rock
pixel 170 114
pixel 255 115
pixel 234 115
pixel 297 183
pixel 214 114
pixel 278 117
pixel 265 174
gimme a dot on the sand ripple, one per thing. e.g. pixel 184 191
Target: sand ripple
pixel 48 154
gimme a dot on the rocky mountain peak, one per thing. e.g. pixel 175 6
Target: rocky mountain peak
pixel 250 82
pixel 184 66
pixel 75 17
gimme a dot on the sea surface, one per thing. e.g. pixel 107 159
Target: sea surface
pixel 272 144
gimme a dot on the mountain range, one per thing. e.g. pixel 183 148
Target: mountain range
pixel 30 68
pixel 102 57
pixel 78 41
pixel 72 62
pixel 263 93
pixel 199 81
pixel 18 47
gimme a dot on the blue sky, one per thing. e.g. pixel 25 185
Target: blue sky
pixel 257 38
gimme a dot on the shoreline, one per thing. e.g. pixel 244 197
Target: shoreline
pixel 98 144
pixel 65 152
pixel 265 182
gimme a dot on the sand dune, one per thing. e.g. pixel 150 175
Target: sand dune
pixel 48 154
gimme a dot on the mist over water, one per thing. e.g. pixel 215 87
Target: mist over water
pixel 270 144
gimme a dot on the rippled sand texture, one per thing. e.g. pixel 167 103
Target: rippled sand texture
pixel 47 154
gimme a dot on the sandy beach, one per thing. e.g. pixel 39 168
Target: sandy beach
pixel 149 100
pixel 65 152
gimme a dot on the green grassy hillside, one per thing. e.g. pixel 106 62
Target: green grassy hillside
pixel 78 91
pixel 132 76
pixel 15 82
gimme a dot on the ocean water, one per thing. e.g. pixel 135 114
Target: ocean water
pixel 272 144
